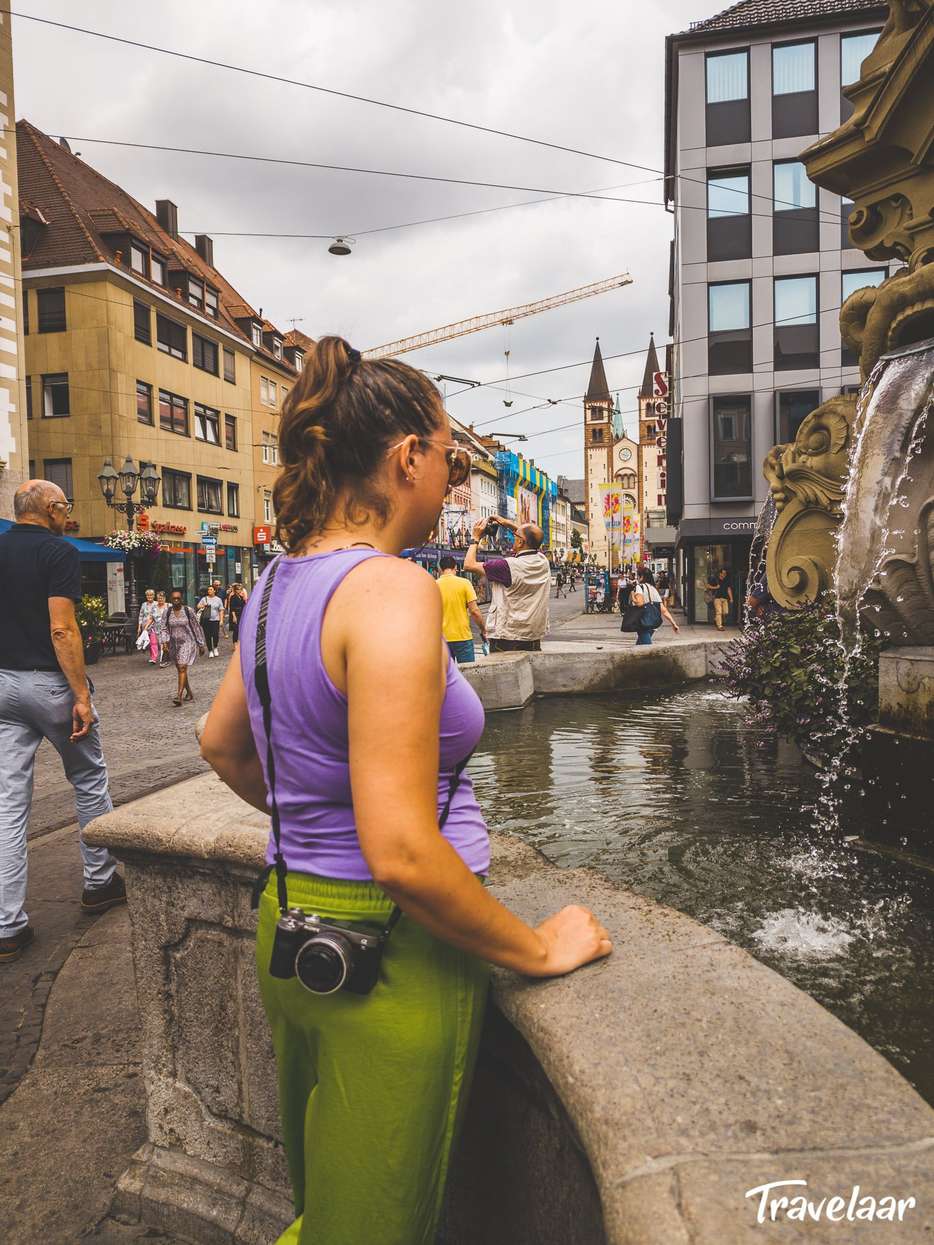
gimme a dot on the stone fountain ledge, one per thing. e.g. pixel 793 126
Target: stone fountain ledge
pixel 634 1102
pixel 511 680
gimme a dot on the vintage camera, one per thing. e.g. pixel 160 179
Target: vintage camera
pixel 326 956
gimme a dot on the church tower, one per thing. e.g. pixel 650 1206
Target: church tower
pixel 598 453
pixel 652 477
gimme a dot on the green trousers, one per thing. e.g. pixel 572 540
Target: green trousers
pixel 372 1087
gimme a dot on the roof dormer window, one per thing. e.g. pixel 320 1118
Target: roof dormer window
pixel 158 269
pixel 277 347
pixel 139 259
pixel 210 301
pixel 299 360
pixel 257 333
pixel 196 293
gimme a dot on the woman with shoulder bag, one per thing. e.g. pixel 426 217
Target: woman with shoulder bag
pixel 647 610
pixel 186 641
pixel 375 823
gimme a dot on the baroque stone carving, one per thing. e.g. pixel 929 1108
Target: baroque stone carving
pixel 882 158
pixel 806 480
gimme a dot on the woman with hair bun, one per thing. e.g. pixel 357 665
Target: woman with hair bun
pixel 377 817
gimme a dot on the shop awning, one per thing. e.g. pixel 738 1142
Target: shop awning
pixel 88 550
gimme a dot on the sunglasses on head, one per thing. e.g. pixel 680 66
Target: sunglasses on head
pixel 458 460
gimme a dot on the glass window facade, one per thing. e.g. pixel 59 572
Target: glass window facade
pixel 797 334
pixel 727 77
pixel 792 188
pixel 731 447
pixel 728 305
pixel 729 336
pixel 795 300
pixel 791 409
pixel 793 68
pixel 728 193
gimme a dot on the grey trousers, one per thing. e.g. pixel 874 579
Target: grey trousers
pixel 37 705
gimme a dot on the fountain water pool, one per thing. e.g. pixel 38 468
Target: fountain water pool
pixel 676 796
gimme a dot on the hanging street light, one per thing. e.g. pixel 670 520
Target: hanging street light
pixel 341 246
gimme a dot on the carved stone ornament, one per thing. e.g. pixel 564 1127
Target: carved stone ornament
pixel 806 480
pixel 882 158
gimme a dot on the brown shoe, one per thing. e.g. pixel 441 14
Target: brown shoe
pixel 12 948
pixel 100 898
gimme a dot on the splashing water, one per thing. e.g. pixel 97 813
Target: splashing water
pixel 802 935
pixel 841 735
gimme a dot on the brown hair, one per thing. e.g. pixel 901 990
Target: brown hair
pixel 337 422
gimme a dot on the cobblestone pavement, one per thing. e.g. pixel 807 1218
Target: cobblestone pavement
pixel 148 742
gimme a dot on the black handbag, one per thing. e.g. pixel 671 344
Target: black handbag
pixel 632 618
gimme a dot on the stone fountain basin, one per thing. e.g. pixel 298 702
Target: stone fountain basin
pixel 634 1102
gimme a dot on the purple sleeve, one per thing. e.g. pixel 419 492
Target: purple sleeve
pixel 498 572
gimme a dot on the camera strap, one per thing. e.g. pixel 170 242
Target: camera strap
pixel 261 683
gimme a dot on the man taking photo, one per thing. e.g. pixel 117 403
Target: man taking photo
pixel 44 694
pixel 520 585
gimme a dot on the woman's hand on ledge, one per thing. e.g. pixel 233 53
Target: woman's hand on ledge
pixel 573 937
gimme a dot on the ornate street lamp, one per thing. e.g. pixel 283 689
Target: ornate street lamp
pixel 129 477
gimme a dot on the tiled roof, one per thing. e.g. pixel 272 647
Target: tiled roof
pixel 750 13
pixel 298 339
pixel 575 492
pixel 82 207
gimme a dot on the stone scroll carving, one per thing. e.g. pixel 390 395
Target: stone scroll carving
pixel 806 480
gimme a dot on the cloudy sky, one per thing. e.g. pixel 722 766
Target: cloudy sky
pixel 588 75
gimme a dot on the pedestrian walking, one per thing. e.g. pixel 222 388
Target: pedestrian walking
pixel 45 694
pixel 626 586
pixel 211 615
pixel 559 584
pixel 520 585
pixel 647 599
pixel 162 631
pixel 369 828
pixel 186 641
pixel 235 602
pixel 458 606
pixel 722 596
pixel 147 620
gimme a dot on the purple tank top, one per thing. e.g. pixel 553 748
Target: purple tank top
pixel 309 727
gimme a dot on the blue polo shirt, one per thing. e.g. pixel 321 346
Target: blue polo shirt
pixel 35 564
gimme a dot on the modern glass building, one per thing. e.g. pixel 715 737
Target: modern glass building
pixel 761 259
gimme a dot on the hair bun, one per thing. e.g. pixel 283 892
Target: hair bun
pixel 353 355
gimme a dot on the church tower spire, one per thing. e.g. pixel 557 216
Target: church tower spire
pixel 598 452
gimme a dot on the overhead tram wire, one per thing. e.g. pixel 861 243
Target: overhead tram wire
pixel 418 177
pixel 628 354
pixel 365 99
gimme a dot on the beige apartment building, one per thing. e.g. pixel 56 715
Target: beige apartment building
pixel 274 368
pixel 14 455
pixel 137 346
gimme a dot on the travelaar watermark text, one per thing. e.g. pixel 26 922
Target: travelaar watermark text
pixel 837 1209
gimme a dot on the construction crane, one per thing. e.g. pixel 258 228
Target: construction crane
pixel 476 323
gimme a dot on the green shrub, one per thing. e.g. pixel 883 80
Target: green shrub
pixel 799 679
pixel 91 612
